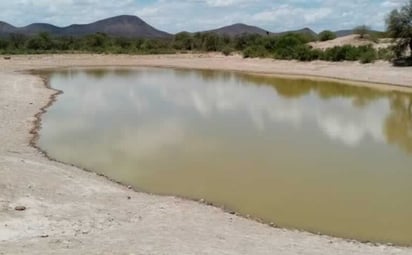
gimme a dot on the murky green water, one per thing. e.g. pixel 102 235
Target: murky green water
pixel 317 156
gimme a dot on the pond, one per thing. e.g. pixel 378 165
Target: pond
pixel 317 156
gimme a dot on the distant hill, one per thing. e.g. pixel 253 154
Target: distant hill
pixel 303 31
pixel 120 26
pixel 6 28
pixel 342 33
pixel 36 28
pixel 238 29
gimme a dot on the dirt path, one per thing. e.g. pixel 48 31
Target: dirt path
pixel 70 211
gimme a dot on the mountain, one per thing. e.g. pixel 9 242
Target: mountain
pixel 303 31
pixel 120 26
pixel 36 28
pixel 341 33
pixel 238 29
pixel 6 28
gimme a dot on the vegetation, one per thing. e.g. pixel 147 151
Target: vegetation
pixel 326 35
pixel 399 27
pixel 362 31
pixel 288 47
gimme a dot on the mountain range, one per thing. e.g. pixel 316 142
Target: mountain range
pixel 120 26
pixel 134 27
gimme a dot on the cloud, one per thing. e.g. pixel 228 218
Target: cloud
pixel 195 15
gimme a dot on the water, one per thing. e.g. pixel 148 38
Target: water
pixel 317 156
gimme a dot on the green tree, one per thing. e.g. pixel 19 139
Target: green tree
pixel 326 35
pixel 211 42
pixel 362 31
pixel 17 41
pixel 97 42
pixel 183 41
pixel 399 27
pixel 41 41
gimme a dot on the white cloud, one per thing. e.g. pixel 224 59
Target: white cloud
pixel 195 15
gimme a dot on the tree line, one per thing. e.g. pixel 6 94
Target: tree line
pixel 289 46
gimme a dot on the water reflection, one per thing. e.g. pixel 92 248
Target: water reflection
pixel 305 154
pixel 398 125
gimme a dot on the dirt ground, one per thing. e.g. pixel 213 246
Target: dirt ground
pixel 70 211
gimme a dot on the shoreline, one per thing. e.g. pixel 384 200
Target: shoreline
pixel 323 243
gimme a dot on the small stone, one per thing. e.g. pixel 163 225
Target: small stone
pixel 202 201
pixel 129 197
pixel 232 212
pixel 129 187
pixel 20 208
pixel 44 236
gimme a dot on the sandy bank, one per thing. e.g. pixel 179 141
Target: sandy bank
pixel 70 211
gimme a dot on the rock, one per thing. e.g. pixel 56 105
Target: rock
pixel 20 208
pixel 7 58
pixel 129 187
pixel 129 197
pixel 44 236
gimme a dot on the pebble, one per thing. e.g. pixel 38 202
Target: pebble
pixel 129 197
pixel 44 236
pixel 20 208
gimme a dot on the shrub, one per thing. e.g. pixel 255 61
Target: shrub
pixel 227 50
pixel 385 54
pixel 255 52
pixel 327 35
pixel 362 31
pixel 305 53
pixel 368 56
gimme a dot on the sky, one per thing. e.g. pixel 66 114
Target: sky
pixel 197 15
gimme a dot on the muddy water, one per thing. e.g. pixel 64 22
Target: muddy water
pixel 317 156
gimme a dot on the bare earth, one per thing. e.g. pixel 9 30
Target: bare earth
pixel 353 40
pixel 70 211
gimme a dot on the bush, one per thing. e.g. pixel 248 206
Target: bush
pixel 385 54
pixel 255 52
pixel 368 57
pixel 227 51
pixel 327 35
pixel 305 53
pixel 362 31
